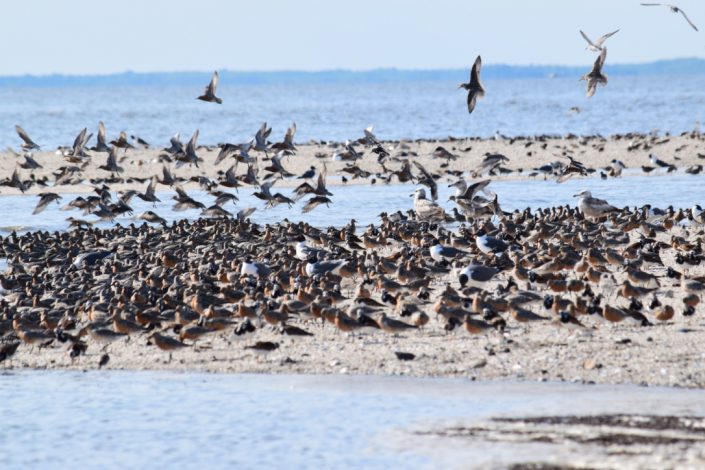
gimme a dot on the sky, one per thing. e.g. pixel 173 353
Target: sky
pixel 100 37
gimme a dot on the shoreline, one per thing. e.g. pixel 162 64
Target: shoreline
pixel 596 153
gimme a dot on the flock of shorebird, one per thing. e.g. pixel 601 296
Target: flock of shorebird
pixel 190 283
pixel 179 284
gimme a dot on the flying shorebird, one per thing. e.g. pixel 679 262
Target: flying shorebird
pixel 209 93
pixel 28 142
pixel 474 87
pixel 596 76
pixel 597 45
pixel 674 9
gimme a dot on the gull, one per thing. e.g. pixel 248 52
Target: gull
pixel 593 207
pixel 426 209
pixel 427 180
pixel 674 9
pixel 441 253
pixel 596 76
pixel 474 87
pixel 487 244
pixel 658 162
pixel 209 93
pixel 597 45
pixel 305 252
pixel 28 143
pixel 489 163
pixel 251 268
pixel 319 268
pixel 477 275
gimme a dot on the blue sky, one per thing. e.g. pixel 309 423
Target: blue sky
pixel 99 37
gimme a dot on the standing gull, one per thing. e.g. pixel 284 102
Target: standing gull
pixel 474 87
pixel 593 207
pixel 426 209
pixel 597 45
pixel 209 93
pixel 674 9
pixel 596 76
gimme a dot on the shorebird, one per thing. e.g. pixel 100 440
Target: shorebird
pixel 166 343
pixel 674 9
pixel 209 93
pixel 44 200
pixel 593 207
pixel 595 76
pixel 474 87
pixel 101 144
pixel 597 45
pixel 426 209
pixel 28 143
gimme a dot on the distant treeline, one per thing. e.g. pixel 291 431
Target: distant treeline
pixel 663 67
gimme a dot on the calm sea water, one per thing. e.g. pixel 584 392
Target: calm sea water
pixel 339 111
pixel 170 420
pixel 365 203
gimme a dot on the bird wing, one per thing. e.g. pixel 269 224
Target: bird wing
pixel 588 39
pixel 651 4
pixel 600 61
pixel 472 100
pixel 23 135
pixel 101 132
pixel 475 72
pixel 602 39
pixel 430 182
pixel 687 19
pixel 475 188
pixel 210 89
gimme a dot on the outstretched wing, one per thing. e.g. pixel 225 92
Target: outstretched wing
pixel 23 135
pixel 688 19
pixel 475 72
pixel 602 39
pixel 588 39
pixel 213 84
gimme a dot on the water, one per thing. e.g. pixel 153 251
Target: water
pixel 140 419
pixel 365 203
pixel 338 111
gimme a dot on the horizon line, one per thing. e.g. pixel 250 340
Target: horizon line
pixel 342 70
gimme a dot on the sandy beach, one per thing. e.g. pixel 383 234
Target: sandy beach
pixel 525 155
